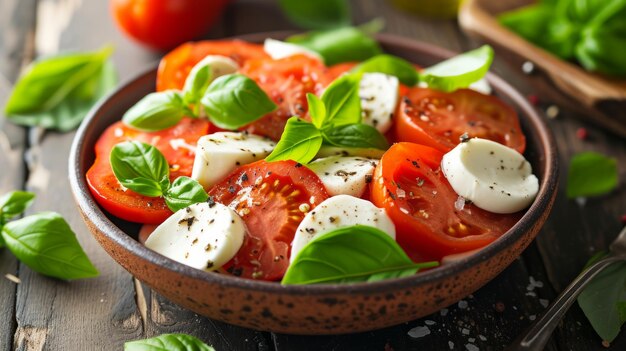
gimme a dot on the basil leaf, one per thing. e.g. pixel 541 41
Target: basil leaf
pixel 14 203
pixel 459 71
pixel 156 111
pixel 47 244
pixel 197 83
pixel 351 254
pixel 56 92
pixel 390 65
pixel 530 22
pixel 591 174
pixel 168 342
pixel 318 14
pixel 355 136
pixel 602 300
pixel 300 142
pixel 140 167
pixel 234 100
pixel 183 193
pixel 342 101
pixel 339 45
pixel 317 110
pixel 67 114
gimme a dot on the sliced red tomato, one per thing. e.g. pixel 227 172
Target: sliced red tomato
pixel 410 186
pixel 286 82
pixel 175 66
pixel 438 119
pixel 125 203
pixel 272 198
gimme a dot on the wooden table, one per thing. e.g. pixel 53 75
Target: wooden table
pixel 102 313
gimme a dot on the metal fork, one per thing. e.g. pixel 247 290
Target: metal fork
pixel 537 335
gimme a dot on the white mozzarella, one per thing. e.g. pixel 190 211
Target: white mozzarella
pixel 218 64
pixel 494 177
pixel 379 97
pixel 218 154
pixel 203 236
pixel 279 49
pixel 326 151
pixel 336 212
pixel 348 175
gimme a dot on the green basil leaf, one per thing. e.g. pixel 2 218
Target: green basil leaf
pixel 234 100
pixel 591 174
pixel 339 45
pixel 530 22
pixel 318 14
pixel 355 136
pixel 317 110
pixel 140 167
pixel 67 114
pixel 390 65
pixel 351 254
pixel 168 342
pixel 197 83
pixel 595 50
pixel 342 101
pixel 602 300
pixel 47 244
pixel 459 71
pixel 300 142
pixel 14 203
pixel 156 111
pixel 183 193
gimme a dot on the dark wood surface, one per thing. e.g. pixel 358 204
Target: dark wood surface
pixel 102 313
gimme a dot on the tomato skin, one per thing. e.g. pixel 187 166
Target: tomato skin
pixel 268 196
pixel 127 204
pixel 410 186
pixel 163 24
pixel 437 119
pixel 176 65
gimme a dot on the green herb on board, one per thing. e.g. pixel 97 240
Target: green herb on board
pixel 168 342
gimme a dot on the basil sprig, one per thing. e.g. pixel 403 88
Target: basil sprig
pixel 169 342
pixel 143 169
pixel 349 255
pixel 591 174
pixel 230 101
pixel 43 241
pixel 336 121
pixel 56 92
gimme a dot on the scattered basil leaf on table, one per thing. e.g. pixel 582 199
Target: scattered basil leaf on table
pixel 168 342
pixel 234 100
pixel 143 169
pixel 355 135
pixel 318 14
pixel 57 92
pixel 46 243
pixel 591 174
pixel 300 142
pixel 390 65
pixel 459 71
pixel 156 111
pixel 14 203
pixel 349 255
pixel 603 300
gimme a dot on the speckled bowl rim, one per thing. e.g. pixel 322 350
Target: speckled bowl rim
pixel 95 214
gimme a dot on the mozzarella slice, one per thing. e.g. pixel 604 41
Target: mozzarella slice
pixel 279 49
pixel 494 177
pixel 326 151
pixel 336 212
pixel 344 175
pixel 203 236
pixel 218 64
pixel 218 154
pixel 379 97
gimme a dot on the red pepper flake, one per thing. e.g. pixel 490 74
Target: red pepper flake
pixel 582 134
pixel 500 307
pixel 533 99
pixel 623 219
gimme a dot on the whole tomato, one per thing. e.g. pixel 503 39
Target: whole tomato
pixel 163 24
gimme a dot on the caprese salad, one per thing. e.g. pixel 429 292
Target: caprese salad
pixel 264 162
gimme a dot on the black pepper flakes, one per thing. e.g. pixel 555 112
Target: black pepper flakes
pixel 464 138
pixel 210 201
pixel 368 178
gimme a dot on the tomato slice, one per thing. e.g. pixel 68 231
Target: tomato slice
pixel 410 186
pixel 176 144
pixel 438 119
pixel 272 198
pixel 175 66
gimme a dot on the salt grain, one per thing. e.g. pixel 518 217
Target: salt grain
pixel 465 331
pixel 459 204
pixel 471 347
pixel 451 345
pixel 419 332
pixel 443 312
pixel 429 322
pixel 482 337
pixel 543 302
pixel 462 304
pixel 532 317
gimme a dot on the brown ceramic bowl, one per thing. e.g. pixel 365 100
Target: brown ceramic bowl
pixel 313 309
